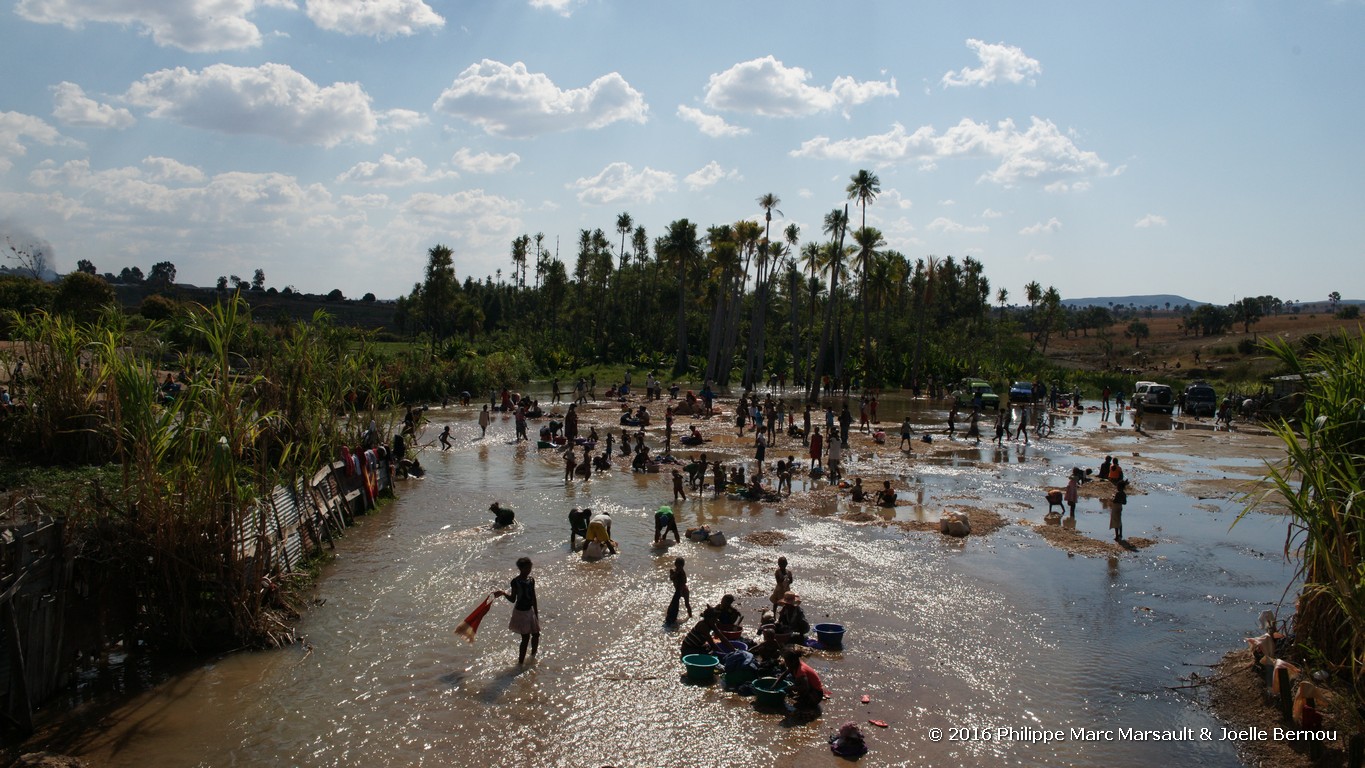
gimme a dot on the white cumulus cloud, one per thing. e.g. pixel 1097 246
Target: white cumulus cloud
pixel 1051 225
pixel 509 100
pixel 161 169
pixel 767 87
pixel 711 125
pixel 194 25
pixel 401 120
pixel 1040 153
pixel 71 106
pixel 484 162
pixel 392 171
pixel 380 19
pixel 269 100
pixel 947 225
pixel 561 7
pixel 708 175
pixel 999 63
pixel 619 181
pixel 1150 220
pixel 991 213
pixel 17 130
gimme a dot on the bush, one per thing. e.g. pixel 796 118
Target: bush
pixel 158 307
pixel 1246 347
pixel 1348 312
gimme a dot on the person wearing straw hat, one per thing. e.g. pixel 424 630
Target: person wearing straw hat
pixel 791 618
pixel 525 609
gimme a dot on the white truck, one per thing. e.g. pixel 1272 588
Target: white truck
pixel 1154 397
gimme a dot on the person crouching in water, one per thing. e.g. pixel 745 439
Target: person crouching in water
pixel 502 516
pixel 698 639
pixel 664 524
pixel 578 526
pixel 807 692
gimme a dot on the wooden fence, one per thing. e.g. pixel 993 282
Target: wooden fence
pixel 41 604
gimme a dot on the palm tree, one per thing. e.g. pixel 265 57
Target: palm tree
pixel 926 277
pixel 623 225
pixel 1002 296
pixel 836 225
pixel 757 354
pixel 869 241
pixel 793 237
pixel 680 248
pixel 864 186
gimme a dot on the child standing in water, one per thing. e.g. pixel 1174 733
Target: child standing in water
pixel 678 493
pixel 680 593
pixel 525 609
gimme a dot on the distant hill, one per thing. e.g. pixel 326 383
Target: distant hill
pixel 1159 300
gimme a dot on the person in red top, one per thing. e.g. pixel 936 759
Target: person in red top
pixel 816 443
pixel 807 691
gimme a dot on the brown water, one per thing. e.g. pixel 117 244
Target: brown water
pixel 1001 632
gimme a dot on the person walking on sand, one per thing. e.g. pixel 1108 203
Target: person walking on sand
pixel 974 427
pixel 484 419
pixel 525 609
pixel 681 594
pixel 816 454
pixel 1023 425
pixel 905 435
pixel 845 420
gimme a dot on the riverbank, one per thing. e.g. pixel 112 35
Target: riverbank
pixel 991 629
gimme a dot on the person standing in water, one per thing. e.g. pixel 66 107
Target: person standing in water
pixel 570 463
pixel 784 578
pixel 681 593
pixel 816 450
pixel 445 438
pixel 1116 509
pixel 484 419
pixel 525 609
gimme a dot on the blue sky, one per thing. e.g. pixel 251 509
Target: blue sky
pixel 1210 149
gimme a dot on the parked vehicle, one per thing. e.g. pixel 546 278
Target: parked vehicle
pixel 1154 397
pixel 966 392
pixel 1022 392
pixel 1200 400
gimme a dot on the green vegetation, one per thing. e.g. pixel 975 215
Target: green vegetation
pixel 160 481
pixel 1321 485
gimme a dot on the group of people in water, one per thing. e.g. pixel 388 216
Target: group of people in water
pixel 777 647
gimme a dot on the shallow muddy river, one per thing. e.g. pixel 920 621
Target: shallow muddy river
pixel 1000 632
